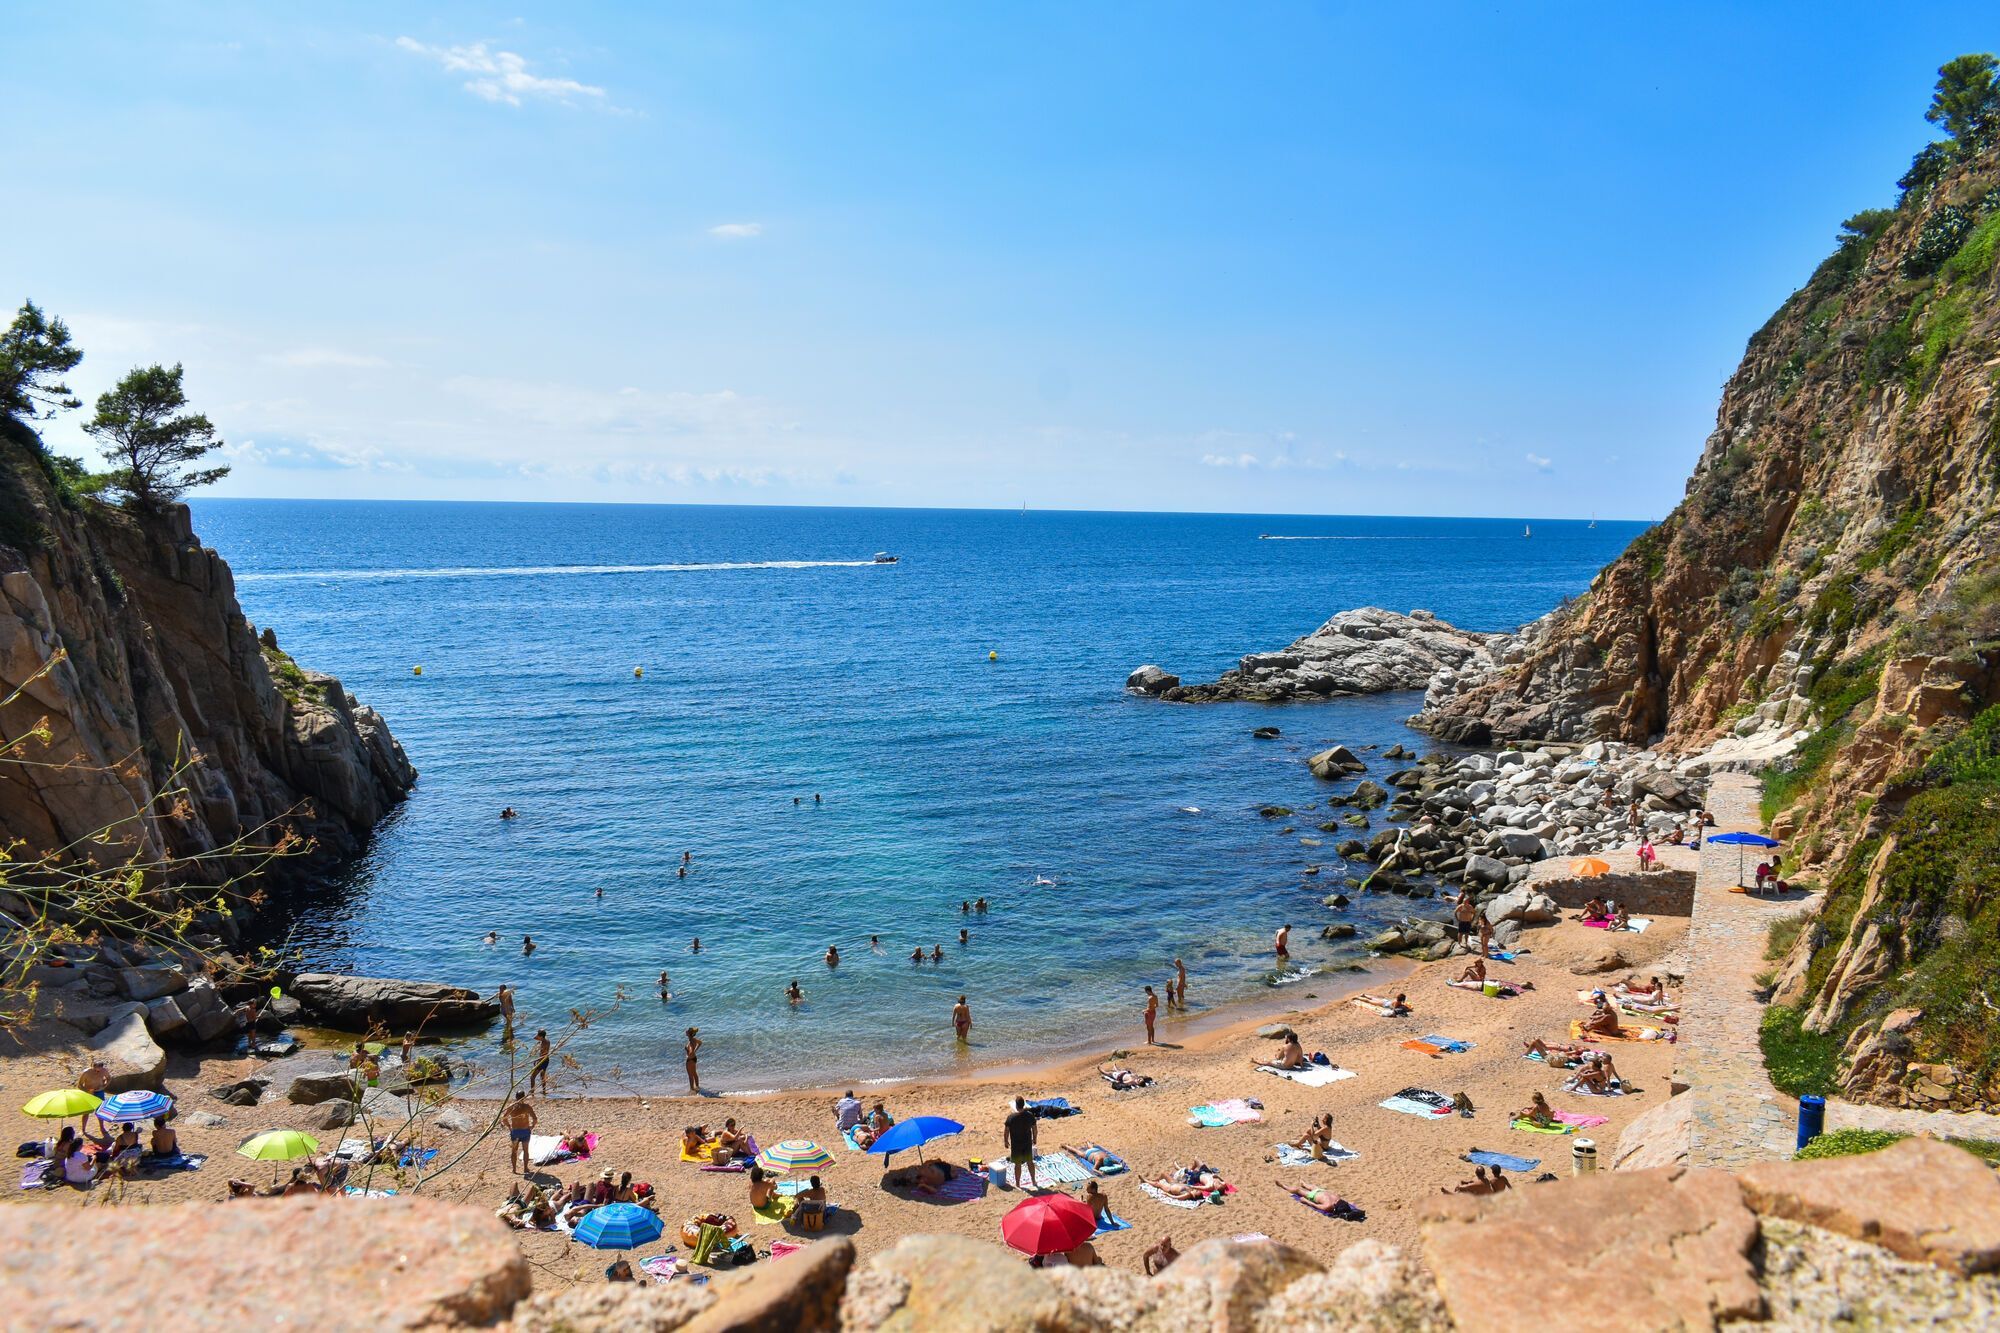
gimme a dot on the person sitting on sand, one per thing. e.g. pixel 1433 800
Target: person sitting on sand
pixel 242 1189
pixel 730 1143
pixel 879 1118
pixel 1603 1019
pixel 1538 1112
pixel 1097 1201
pixel 1596 910
pixel 1317 1138
pixel 1396 1008
pixel 1122 1080
pixel 619 1270
pixel 1620 920
pixel 166 1141
pixel 1083 1256
pixel 1591 1078
pixel 1475 973
pixel 301 1183
pixel 1160 1257
pixel 847 1112
pixel 1481 1183
pixel 763 1188
pixel 1291 1055
pixel 693 1139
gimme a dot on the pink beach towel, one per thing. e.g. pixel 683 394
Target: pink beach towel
pixel 1582 1121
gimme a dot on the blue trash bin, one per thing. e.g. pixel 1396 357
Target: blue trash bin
pixel 1812 1118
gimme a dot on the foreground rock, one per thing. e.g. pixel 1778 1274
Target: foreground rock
pixel 257 1263
pixel 1923 1200
pixel 356 1004
pixel 1366 651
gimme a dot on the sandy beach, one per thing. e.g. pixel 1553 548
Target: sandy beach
pixel 1401 1158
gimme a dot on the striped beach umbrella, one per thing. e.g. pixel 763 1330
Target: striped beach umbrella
pixel 619 1226
pixel 795 1155
pixel 138 1104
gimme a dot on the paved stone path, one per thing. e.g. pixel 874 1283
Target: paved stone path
pixel 1737 1117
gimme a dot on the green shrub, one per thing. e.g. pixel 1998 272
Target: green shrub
pixel 1784 932
pixel 1848 1143
pixel 1798 1061
pixel 1975 257
pixel 1943 233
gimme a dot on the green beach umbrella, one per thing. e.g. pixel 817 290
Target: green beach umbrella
pixel 278 1145
pixel 62 1104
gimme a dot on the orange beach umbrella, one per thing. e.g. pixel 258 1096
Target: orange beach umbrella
pixel 1588 867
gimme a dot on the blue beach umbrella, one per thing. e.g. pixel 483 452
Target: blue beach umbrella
pixel 1740 841
pixel 138 1104
pixel 914 1133
pixel 619 1226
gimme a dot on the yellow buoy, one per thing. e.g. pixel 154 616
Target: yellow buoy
pixel 638 672
pixel 992 657
pixel 416 671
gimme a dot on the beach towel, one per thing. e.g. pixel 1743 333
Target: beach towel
pixel 847 1136
pixel 1600 923
pixel 781 1248
pixel 1291 1155
pixel 356 1192
pixel 1629 1034
pixel 1060 1168
pixel 1448 1043
pixel 1168 1199
pixel 413 1158
pixel 665 1268
pixel 963 1187
pixel 1637 925
pixel 1053 1108
pixel 1500 956
pixel 180 1161
pixel 1502 1161
pixel 775 1212
pixel 1318 1076
pixel 703 1154
pixel 1232 1112
pixel 1578 1120
pixel 1114 1165
pixel 37 1174
pixel 1419 1101
pixel 1530 1127
pixel 547 1149
pixel 1112 1222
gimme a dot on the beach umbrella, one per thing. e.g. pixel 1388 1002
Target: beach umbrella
pixel 1588 867
pixel 1739 841
pixel 62 1104
pixel 1048 1224
pixel 138 1104
pixel 914 1133
pixel 619 1226
pixel 794 1155
pixel 278 1145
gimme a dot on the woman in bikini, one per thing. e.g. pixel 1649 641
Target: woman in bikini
pixel 690 1051
pixel 1538 1112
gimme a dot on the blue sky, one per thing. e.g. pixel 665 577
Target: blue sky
pixel 1265 258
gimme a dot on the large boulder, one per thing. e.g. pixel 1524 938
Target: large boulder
pixel 1524 905
pixel 1485 870
pixel 1927 1201
pixel 1336 761
pixel 129 1052
pixel 1238 1277
pixel 312 1089
pixel 357 1004
pixel 1150 679
pixel 150 983
pixel 1364 651
pixel 955 1282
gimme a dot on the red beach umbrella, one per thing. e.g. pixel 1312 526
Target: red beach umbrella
pixel 1048 1224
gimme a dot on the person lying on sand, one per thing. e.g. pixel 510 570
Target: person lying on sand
pixel 1621 920
pixel 923 1175
pixel 1474 973
pixel 1320 1200
pixel 1557 1055
pixel 1123 1079
pixel 1396 1008
pixel 1158 1259
pixel 1537 1112
pixel 1190 1182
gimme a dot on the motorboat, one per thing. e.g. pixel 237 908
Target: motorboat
pixel 884 558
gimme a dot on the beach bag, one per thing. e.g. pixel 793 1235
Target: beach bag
pixel 741 1252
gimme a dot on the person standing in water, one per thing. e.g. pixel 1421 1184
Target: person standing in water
pixel 961 1018
pixel 527 945
pixel 695 945
pixel 964 937
pixel 691 1050
pixel 666 991
pixel 793 993
pixel 1282 944
pixel 1152 1013
pixel 832 956
pixel 540 1069
pixel 505 998
pixel 1179 986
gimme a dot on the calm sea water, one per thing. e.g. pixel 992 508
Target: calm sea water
pixel 779 664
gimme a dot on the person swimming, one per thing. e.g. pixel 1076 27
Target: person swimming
pixel 832 955
pixel 875 944
pixel 527 945
pixel 937 953
pixel 793 993
pixel 507 812
pixel 964 936
pixel 666 991
pixel 696 946
pixel 979 905
pixel 492 938
pixel 917 954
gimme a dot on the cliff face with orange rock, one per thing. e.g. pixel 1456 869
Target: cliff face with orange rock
pixel 1825 602
pixel 145 719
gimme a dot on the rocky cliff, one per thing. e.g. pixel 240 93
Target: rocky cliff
pixel 1826 600
pixel 151 723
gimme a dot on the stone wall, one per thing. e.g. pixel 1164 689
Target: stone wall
pixel 1668 891
pixel 1901 1238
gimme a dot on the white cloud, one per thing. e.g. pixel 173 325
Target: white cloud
pixel 323 358
pixel 1541 464
pixel 500 76
pixel 737 231
pixel 1243 461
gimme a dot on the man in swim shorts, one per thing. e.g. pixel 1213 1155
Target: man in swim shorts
pixel 519 1117
pixel 1020 1133
pixel 540 1069
pixel 1282 944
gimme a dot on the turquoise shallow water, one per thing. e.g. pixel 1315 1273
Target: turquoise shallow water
pixel 779 663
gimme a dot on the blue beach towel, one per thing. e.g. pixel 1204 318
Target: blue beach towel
pixel 1451 1044
pixel 1112 1222
pixel 1504 1161
pixel 1053 1108
pixel 414 1158
pixel 1113 1164
pixel 848 1135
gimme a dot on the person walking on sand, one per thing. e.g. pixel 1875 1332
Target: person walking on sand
pixel 1177 989
pixel 1485 936
pixel 540 1069
pixel 691 1050
pixel 1152 1014
pixel 1463 913
pixel 519 1118
pixel 1019 1132
pixel 1282 944
pixel 961 1019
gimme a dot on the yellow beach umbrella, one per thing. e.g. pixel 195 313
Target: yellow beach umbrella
pixel 1588 867
pixel 278 1145
pixel 62 1104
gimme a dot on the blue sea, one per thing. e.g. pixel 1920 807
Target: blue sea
pixel 959 715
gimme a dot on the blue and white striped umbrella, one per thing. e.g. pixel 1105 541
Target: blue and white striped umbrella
pixel 138 1104
pixel 619 1226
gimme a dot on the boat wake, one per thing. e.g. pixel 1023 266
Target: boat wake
pixel 542 571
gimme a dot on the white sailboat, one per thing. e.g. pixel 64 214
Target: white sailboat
pixel 1527 531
